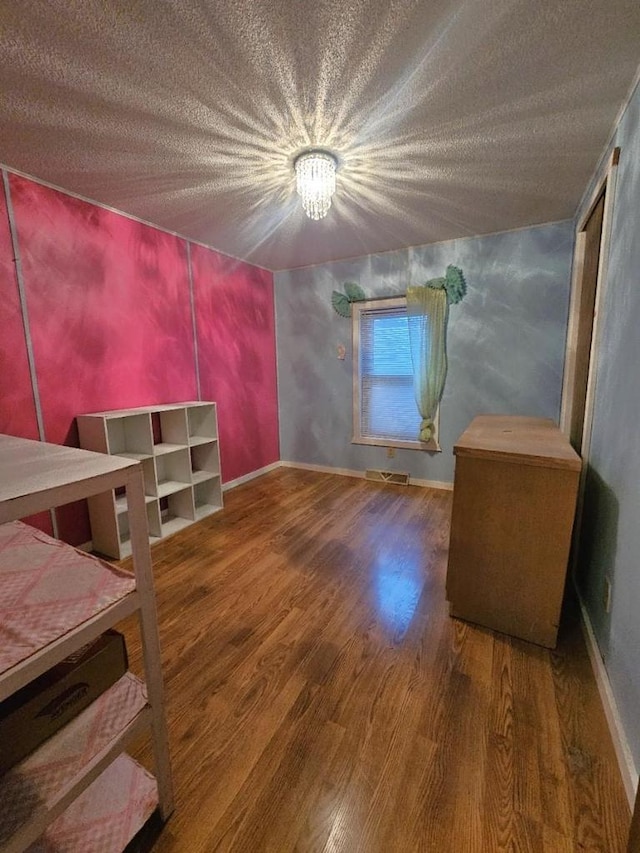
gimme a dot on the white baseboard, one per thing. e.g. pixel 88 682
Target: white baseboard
pixel 620 744
pixel 347 472
pixel 251 476
pixel 322 469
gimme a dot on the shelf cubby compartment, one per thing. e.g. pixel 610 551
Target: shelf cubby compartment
pixel 203 425
pixel 153 523
pixel 122 506
pixel 130 437
pixel 170 430
pixel 177 511
pixel 207 496
pixel 173 472
pixel 149 476
pixel 123 527
pixel 110 533
pixel 205 461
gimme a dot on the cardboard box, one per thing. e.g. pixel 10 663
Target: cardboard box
pixel 38 710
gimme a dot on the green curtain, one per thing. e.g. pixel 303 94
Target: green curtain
pixel 428 312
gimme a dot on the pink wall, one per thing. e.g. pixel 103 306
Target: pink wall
pixel 109 307
pixel 17 406
pixel 108 303
pixel 237 359
pixel 17 412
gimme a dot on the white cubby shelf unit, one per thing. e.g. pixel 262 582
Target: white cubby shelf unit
pixel 177 445
pixel 79 790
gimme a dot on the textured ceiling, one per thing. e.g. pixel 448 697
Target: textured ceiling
pixel 449 118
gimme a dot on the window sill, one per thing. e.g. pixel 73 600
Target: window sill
pixel 432 446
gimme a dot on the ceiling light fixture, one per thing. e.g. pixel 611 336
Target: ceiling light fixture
pixel 316 181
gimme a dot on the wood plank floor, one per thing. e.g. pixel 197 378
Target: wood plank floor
pixel 321 699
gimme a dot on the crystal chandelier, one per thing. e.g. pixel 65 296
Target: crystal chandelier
pixel 316 181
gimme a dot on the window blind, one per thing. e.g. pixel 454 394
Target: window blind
pixel 387 402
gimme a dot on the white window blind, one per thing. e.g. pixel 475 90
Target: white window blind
pixel 388 408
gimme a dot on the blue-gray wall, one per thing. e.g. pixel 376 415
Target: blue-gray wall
pixel 611 544
pixel 505 344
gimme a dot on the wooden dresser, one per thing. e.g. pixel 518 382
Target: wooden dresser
pixel 514 500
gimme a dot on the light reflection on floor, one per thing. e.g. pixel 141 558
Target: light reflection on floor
pixel 398 583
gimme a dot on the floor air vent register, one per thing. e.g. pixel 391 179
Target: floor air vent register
pixel 395 477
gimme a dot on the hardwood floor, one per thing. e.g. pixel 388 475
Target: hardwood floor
pixel 321 699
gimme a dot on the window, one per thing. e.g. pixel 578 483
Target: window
pixel 384 405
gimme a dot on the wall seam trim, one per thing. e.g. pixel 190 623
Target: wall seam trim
pixel 192 300
pixel 276 338
pixel 22 295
